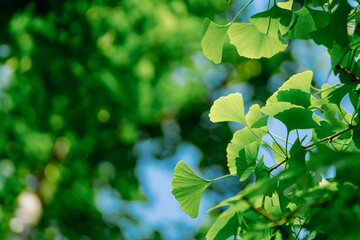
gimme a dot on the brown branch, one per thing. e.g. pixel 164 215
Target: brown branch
pixel 348 73
pixel 260 211
pixel 330 138
pixel 278 165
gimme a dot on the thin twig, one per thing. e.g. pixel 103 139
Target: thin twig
pixel 348 73
pixel 278 165
pixel 330 138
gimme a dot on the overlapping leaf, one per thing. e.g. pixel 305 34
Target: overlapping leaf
pixel 308 21
pixel 241 139
pixel 296 90
pixel 293 116
pixel 252 43
pixel 229 108
pixel 246 161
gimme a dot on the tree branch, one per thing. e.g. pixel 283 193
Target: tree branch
pixel 330 138
pixel 278 165
pixel 348 73
pixel 260 211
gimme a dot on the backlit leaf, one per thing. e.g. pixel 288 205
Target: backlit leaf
pixel 252 43
pixel 241 139
pixel 261 170
pixel 296 90
pixel 255 119
pixel 229 108
pixel 213 40
pixel 188 188
pixel 273 21
pixel 246 161
pixel 293 116
pixel 227 223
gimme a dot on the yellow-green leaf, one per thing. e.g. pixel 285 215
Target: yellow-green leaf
pixel 188 188
pixel 229 108
pixel 213 40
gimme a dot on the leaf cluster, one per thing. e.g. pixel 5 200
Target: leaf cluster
pixel 297 200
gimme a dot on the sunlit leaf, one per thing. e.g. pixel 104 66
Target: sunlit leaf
pixel 241 139
pixel 255 119
pixel 229 108
pixel 246 161
pixel 188 188
pixel 227 223
pixel 261 170
pixel 252 43
pixel 213 40
pixel 286 5
pixel 296 90
pixel 273 21
pixel 293 116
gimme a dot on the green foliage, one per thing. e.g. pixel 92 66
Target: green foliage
pixel 297 199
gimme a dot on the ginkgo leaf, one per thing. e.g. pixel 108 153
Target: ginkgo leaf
pixel 229 108
pixel 296 90
pixel 293 116
pixel 246 161
pixel 261 170
pixel 255 119
pixel 213 40
pixel 227 223
pixel 286 5
pixel 252 43
pixel 241 139
pixel 188 188
pixel 273 21
pixel 308 20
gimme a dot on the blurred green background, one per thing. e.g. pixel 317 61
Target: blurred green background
pixel 100 99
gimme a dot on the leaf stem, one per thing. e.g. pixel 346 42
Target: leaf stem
pixel 260 211
pixel 228 175
pixel 278 165
pixel 266 143
pixel 279 137
pixel 240 12
pixel 327 89
pixel 330 138
pixel 276 143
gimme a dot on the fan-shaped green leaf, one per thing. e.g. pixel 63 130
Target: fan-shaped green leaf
pixel 246 161
pixel 252 43
pixel 293 116
pixel 229 108
pixel 228 222
pixel 213 40
pixel 308 20
pixel 286 5
pixel 255 119
pixel 188 188
pixel 296 90
pixel 273 21
pixel 261 170
pixel 241 139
